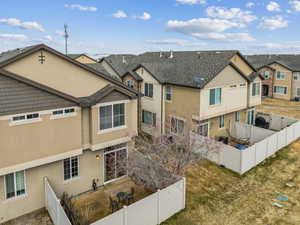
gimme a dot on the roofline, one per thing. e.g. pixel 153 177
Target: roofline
pixel 104 59
pixel 39 86
pixel 248 63
pixel 285 66
pixel 83 54
pixel 265 66
pixel 141 65
pixel 69 59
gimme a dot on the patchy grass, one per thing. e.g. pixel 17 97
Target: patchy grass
pixel 217 196
pixel 280 102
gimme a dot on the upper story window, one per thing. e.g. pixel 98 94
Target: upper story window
pixel 267 74
pixel 71 168
pixel 280 75
pixel 25 117
pixel 130 83
pixel 255 89
pixel 168 93
pixel 149 118
pixel 215 96
pixel 177 126
pixel 15 184
pixel 62 112
pixel 112 116
pixel 296 76
pixel 280 90
pixel 149 90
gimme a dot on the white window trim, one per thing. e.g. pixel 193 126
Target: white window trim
pixel 297 92
pixel 208 126
pixel 64 115
pixel 15 197
pixel 177 118
pixel 283 75
pixel 130 82
pixel 103 163
pixel 280 86
pixel 248 111
pixel 145 90
pixel 259 84
pixel 220 122
pixel 72 178
pixel 214 105
pixel 149 125
pixel 113 128
pixel 239 116
pixel 296 74
pixel 171 93
pixel 25 121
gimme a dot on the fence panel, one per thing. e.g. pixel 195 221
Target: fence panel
pixel 114 219
pixel 230 157
pixel 272 145
pixel 281 138
pixel 297 130
pixel 290 134
pixel 261 151
pixel 171 200
pixel 144 211
pixel 247 159
pixel 63 218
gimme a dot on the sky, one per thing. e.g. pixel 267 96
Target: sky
pixel 101 27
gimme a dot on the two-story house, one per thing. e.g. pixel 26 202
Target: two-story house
pixel 281 75
pixel 202 91
pixel 59 119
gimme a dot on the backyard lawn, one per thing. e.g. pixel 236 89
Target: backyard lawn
pixel 216 196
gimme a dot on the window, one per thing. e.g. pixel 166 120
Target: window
pixel 71 168
pixel 250 116
pixel 280 90
pixel 203 128
pixel 233 86
pixel 243 85
pixel 267 75
pixel 296 76
pixel 112 116
pixel 168 93
pixel 215 96
pixel 130 83
pixel 62 112
pixel 298 92
pixel 255 89
pixel 221 121
pixel 149 118
pixel 149 90
pixel 31 116
pixel 280 75
pixel 15 184
pixel 177 126
pixel 237 116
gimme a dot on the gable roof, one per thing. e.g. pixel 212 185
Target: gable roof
pixel 185 68
pixel 17 54
pixel 19 95
pixel 101 69
pixel 75 56
pixel 291 62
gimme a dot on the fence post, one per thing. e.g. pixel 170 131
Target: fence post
pixel 184 192
pixel 57 212
pixel 158 206
pixel 125 222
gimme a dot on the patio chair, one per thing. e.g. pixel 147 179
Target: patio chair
pixel 121 197
pixel 130 196
pixel 114 205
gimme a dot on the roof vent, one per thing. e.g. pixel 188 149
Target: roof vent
pixel 171 54
pixel 199 80
pixel 124 60
pixel 161 54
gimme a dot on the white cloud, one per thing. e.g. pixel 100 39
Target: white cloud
pixel 145 16
pixel 48 38
pixel 295 5
pixel 28 25
pixel 273 23
pixel 60 33
pixel 284 47
pixel 13 36
pixel 209 29
pixel 231 14
pixel 120 14
pixel 273 6
pixel 81 8
pixel 250 4
pixel 179 42
pixel 191 2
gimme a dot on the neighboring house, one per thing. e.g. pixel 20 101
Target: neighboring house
pixel 82 58
pixel 59 119
pixel 200 91
pixel 281 73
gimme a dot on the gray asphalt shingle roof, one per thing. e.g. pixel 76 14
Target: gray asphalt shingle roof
pixel 101 69
pixel 13 53
pixel 74 56
pixel 292 62
pixel 187 68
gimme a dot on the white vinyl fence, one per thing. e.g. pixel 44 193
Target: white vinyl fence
pixel 151 210
pixel 56 211
pixel 241 161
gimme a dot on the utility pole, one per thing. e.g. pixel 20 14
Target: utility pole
pixel 66 35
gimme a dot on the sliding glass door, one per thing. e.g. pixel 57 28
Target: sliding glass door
pixel 115 164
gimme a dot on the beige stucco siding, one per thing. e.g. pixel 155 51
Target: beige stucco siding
pixel 185 104
pixel 59 74
pixel 86 127
pixel 89 168
pixel 295 86
pixel 130 129
pixel 28 142
pixel 287 82
pixel 85 60
pixel 233 98
pixel 255 100
pixel 242 65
